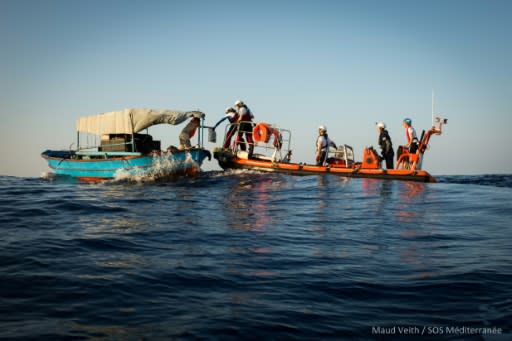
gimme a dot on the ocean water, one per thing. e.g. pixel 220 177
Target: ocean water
pixel 244 255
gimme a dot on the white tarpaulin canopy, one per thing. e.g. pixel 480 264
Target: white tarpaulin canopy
pixel 130 121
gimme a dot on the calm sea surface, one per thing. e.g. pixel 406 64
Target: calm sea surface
pixel 256 256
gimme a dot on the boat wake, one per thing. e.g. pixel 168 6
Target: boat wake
pixel 234 172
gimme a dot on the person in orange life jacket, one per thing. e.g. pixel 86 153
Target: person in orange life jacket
pixel 385 145
pixel 232 116
pixel 245 118
pixel 188 132
pixel 323 143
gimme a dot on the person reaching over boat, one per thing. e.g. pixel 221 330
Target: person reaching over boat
pixel 188 132
pixel 245 118
pixel 232 116
pixel 385 145
pixel 323 142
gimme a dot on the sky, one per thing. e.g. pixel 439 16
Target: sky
pixel 296 64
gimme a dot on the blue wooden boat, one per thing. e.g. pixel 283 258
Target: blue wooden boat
pixel 124 152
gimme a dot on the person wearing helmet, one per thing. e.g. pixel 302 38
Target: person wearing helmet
pixel 410 134
pixel 232 116
pixel 385 145
pixel 412 142
pixel 323 142
pixel 245 118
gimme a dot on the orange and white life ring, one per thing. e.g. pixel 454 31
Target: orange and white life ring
pixel 261 132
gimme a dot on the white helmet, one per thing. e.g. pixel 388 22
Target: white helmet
pixel 381 125
pixel 322 128
pixel 239 102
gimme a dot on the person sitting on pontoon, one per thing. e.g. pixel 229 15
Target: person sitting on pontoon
pixel 232 116
pixel 323 143
pixel 188 132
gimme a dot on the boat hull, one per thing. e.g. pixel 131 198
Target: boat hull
pixel 229 161
pixel 158 165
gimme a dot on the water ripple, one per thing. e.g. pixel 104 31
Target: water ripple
pixel 240 255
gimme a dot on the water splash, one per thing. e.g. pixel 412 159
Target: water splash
pixel 164 165
pixel 50 176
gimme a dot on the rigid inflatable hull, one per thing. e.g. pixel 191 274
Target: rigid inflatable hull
pixel 305 169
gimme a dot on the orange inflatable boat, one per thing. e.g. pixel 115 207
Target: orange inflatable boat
pixel 272 153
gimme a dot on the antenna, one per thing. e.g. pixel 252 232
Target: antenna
pixel 437 121
pixel 432 107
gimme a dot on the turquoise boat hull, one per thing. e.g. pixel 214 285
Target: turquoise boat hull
pixel 99 166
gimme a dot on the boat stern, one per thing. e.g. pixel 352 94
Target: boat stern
pixel 223 156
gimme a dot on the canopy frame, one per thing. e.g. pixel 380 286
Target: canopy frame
pixel 131 121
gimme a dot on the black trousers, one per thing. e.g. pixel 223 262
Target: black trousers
pixel 321 160
pixel 389 160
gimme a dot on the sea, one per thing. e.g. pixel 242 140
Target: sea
pixel 253 256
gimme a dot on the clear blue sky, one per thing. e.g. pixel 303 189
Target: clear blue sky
pixel 298 64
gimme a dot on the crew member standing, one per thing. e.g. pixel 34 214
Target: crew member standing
pixel 385 145
pixel 410 134
pixel 412 144
pixel 245 118
pixel 323 142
